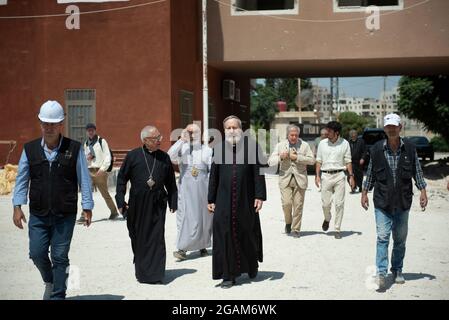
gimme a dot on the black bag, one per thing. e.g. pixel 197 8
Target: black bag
pixel 110 152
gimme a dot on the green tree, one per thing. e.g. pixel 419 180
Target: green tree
pixel 426 99
pixel 263 106
pixel 265 96
pixel 351 120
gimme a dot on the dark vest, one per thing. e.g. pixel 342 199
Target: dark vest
pixel 53 189
pixel 388 196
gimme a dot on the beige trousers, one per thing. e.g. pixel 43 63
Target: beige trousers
pixel 101 183
pixel 333 185
pixel 292 198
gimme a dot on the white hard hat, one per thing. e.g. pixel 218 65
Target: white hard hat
pixel 51 111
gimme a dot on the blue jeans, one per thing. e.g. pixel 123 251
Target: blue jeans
pixel 387 223
pixel 55 232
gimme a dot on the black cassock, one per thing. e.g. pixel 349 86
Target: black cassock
pixel 237 235
pixel 147 208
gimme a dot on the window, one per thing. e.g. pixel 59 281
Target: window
pixel 255 7
pixel 186 107
pixel 360 5
pixel 212 116
pixel 3 2
pixel 80 106
pixel 244 116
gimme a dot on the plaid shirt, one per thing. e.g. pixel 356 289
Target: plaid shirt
pixel 393 160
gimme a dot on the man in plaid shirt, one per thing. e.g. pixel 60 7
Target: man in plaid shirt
pixel 394 162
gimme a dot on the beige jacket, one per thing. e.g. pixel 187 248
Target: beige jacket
pixel 288 167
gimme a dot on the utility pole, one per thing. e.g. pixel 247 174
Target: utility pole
pixel 335 96
pixel 205 84
pixel 384 103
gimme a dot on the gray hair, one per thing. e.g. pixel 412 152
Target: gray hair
pixel 146 131
pixel 293 127
pixel 232 117
pixel 352 131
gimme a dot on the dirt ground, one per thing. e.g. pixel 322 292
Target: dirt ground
pixel 315 266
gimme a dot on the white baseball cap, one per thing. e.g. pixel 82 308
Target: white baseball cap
pixel 52 112
pixel 392 119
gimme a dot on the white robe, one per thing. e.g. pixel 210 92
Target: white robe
pixel 193 221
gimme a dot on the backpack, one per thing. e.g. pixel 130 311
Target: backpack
pixel 100 140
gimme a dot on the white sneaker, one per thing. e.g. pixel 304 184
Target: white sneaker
pixel 48 290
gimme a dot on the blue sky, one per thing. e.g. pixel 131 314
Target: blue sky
pixel 364 87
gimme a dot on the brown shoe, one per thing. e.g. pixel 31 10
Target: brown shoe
pixel 382 283
pixel 113 216
pixel 296 234
pixel 81 220
pixel 180 254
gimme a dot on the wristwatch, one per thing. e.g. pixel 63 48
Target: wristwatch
pixel 17 206
pixel 351 175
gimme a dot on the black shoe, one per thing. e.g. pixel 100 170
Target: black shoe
pixel 337 235
pixel 204 253
pixel 325 225
pixel 150 282
pixel 252 275
pixel 226 284
pixel 288 228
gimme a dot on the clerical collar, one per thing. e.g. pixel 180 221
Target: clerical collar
pixel 148 150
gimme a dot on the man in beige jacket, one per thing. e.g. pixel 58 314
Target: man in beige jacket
pixel 294 155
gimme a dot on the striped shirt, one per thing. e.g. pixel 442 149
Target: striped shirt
pixel 393 160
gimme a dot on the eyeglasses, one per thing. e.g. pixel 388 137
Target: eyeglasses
pixel 158 138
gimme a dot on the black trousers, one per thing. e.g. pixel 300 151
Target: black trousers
pixel 358 174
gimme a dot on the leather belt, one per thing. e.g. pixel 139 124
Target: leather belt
pixel 332 171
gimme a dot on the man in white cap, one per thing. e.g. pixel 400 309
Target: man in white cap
pixel 52 167
pixel 394 162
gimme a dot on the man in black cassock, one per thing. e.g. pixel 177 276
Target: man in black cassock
pixel 236 194
pixel 152 186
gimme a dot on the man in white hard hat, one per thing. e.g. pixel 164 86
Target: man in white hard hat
pixel 393 164
pixel 52 167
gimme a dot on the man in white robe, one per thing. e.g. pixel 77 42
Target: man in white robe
pixel 194 223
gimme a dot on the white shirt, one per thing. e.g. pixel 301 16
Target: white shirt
pixel 333 156
pixel 102 158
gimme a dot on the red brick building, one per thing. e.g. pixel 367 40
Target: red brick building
pixel 141 63
pixel 122 70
